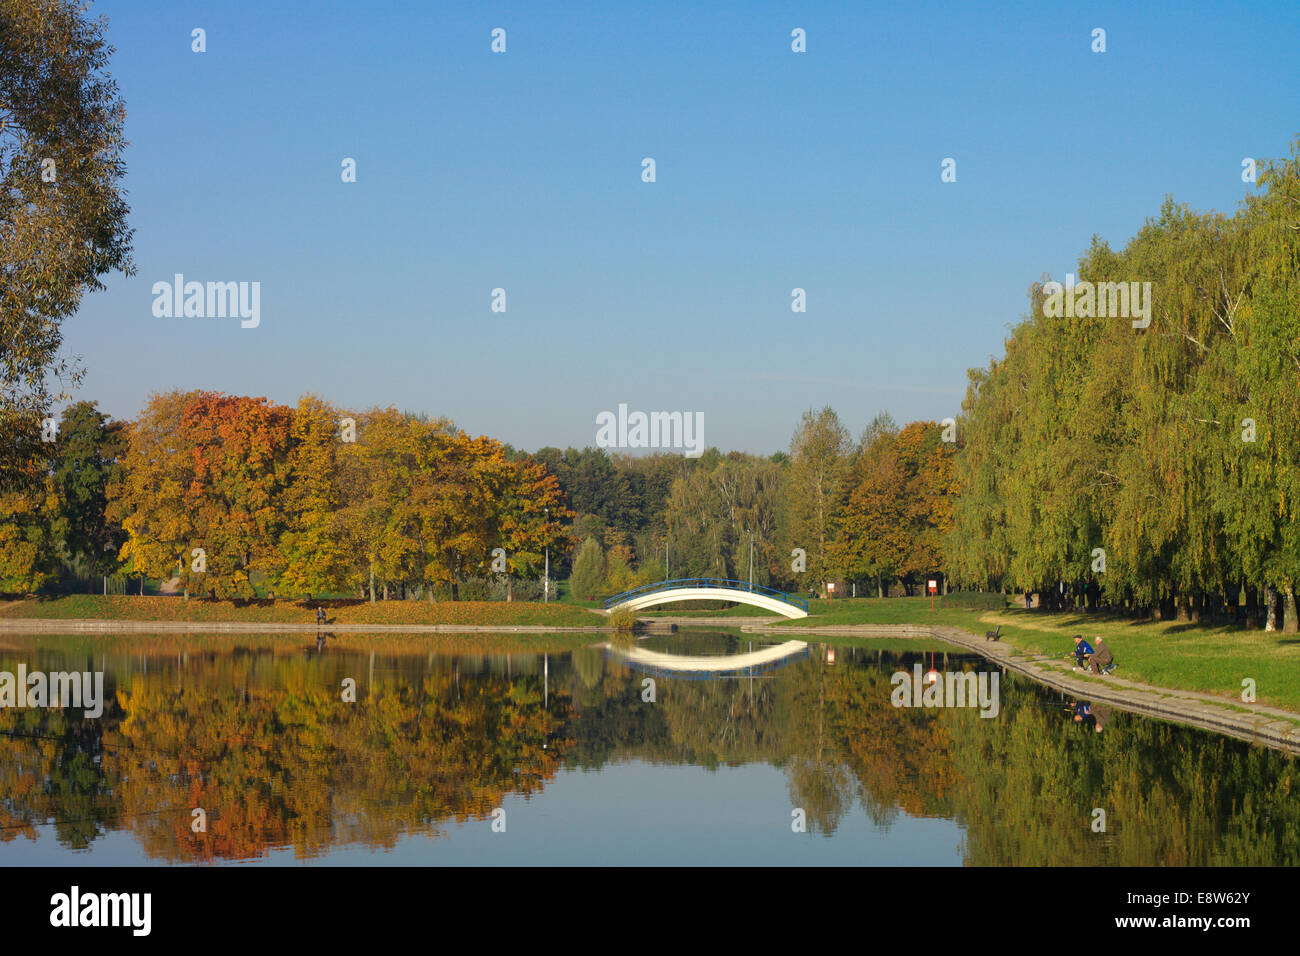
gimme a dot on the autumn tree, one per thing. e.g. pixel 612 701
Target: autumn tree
pixel 381 518
pixel 146 497
pixel 533 519
pixel 32 528
pixel 872 540
pixel 201 492
pixel 313 547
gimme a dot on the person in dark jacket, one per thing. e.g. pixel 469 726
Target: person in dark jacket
pixel 1082 649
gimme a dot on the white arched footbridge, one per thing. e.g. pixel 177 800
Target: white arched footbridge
pixel 709 589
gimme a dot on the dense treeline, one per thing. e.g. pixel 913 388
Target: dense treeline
pixel 872 512
pixel 218 492
pixel 1152 467
pixel 225 494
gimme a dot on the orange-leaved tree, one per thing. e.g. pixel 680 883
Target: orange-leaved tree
pixel 200 496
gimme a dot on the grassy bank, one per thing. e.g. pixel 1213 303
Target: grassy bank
pixel 487 614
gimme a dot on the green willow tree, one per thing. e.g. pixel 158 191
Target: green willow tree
pixel 1154 465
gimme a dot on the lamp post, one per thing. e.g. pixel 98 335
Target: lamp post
pixel 546 579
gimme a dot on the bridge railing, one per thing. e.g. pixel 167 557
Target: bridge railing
pixel 719 583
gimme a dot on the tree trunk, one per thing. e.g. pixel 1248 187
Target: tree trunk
pixel 1180 605
pixel 385 590
pixel 1289 623
pixel 510 589
pixel 1252 608
pixel 372 580
pixel 1270 608
pixel 880 585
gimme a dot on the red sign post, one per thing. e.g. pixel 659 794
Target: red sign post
pixel 933 587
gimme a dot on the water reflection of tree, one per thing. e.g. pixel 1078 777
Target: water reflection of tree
pixel 268 748
pixel 50 771
pixel 818 779
pixel 1172 796
pixel 265 744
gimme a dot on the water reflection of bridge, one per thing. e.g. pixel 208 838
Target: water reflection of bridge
pixel 709 667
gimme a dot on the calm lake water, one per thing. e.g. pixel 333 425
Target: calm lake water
pixel 528 750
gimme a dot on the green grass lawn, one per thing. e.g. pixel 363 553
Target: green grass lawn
pixel 1168 654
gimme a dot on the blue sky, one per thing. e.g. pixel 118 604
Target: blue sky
pixel 775 170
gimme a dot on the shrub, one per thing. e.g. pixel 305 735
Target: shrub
pixel 623 618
